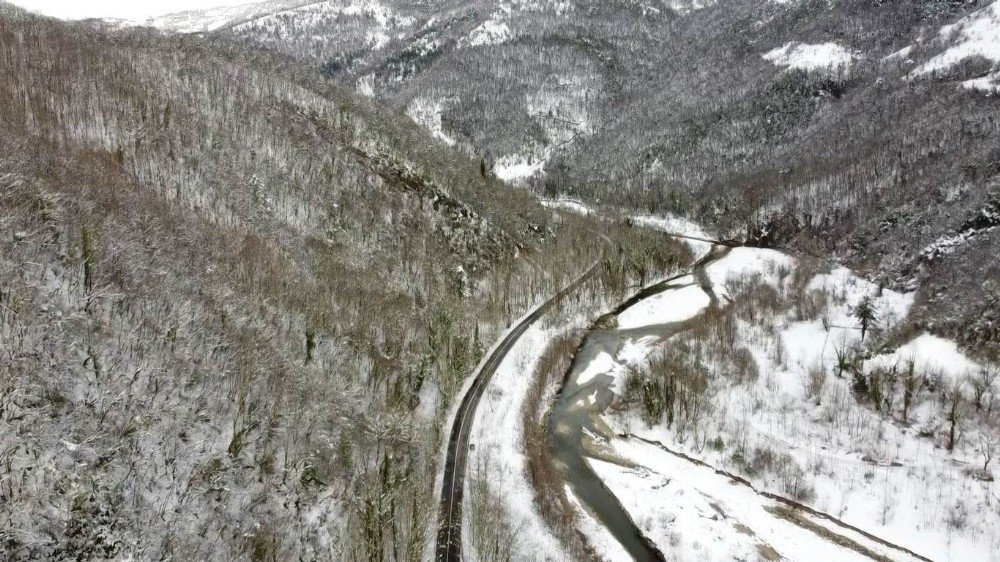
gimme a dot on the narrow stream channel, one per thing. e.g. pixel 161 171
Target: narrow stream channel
pixel 575 422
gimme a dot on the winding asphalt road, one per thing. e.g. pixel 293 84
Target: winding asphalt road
pixel 449 538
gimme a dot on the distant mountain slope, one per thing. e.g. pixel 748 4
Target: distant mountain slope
pixel 195 21
pixel 868 130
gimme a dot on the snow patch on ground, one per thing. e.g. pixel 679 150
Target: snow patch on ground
pixel 949 243
pixel 671 306
pixel 847 288
pixel 671 223
pixel 900 55
pixel 823 56
pixel 516 168
pixel 571 205
pixel 684 7
pixel 929 354
pixel 497 436
pixel 768 264
pixel 976 34
pixel 678 225
pixel 601 364
pixel 700 515
pixel 427 113
pixel 989 83
pixel 490 32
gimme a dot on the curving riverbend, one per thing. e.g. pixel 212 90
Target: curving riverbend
pixel 576 428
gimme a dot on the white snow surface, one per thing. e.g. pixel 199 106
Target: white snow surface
pixel 665 223
pixel 822 56
pixel 976 34
pixel 750 262
pixel 671 306
pixel 672 223
pixel 900 55
pixel 679 225
pixel 516 167
pixel 989 83
pixel 929 354
pixel 490 32
pixel 695 514
pixel 197 21
pixel 427 113
pixel 497 436
pixel 875 474
pixel 684 7
pixel 571 205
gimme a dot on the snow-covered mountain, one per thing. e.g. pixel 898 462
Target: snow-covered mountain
pixel 815 117
pixel 249 275
pixel 197 21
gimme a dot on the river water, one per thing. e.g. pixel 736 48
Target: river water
pixel 576 427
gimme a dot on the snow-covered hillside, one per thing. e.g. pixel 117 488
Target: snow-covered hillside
pixel 976 35
pixel 825 56
pixel 793 421
pixel 881 430
pixel 376 22
pixel 196 21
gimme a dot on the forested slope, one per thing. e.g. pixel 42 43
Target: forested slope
pixel 236 302
pixel 730 112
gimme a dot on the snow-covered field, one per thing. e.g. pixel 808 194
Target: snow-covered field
pixel 797 430
pixel 570 205
pixel 497 437
pixel 684 303
pixel 823 56
pixel 976 35
pixel 696 514
pixel 427 113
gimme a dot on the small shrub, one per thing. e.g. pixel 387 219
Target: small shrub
pixel 815 382
pixel 744 365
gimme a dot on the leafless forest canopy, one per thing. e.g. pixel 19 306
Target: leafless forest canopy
pixel 237 298
pixel 236 301
pixel 661 110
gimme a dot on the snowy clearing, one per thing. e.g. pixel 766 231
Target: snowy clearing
pixel 770 265
pixel 929 354
pixel 570 205
pixel 517 168
pixel 497 438
pixel 427 113
pixel 678 225
pixel 977 34
pixel 702 515
pixel 490 32
pixel 674 306
pixel 823 56
pixel 797 428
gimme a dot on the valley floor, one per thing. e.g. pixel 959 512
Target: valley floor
pixel 872 486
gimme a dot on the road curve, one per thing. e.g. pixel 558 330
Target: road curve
pixel 449 536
